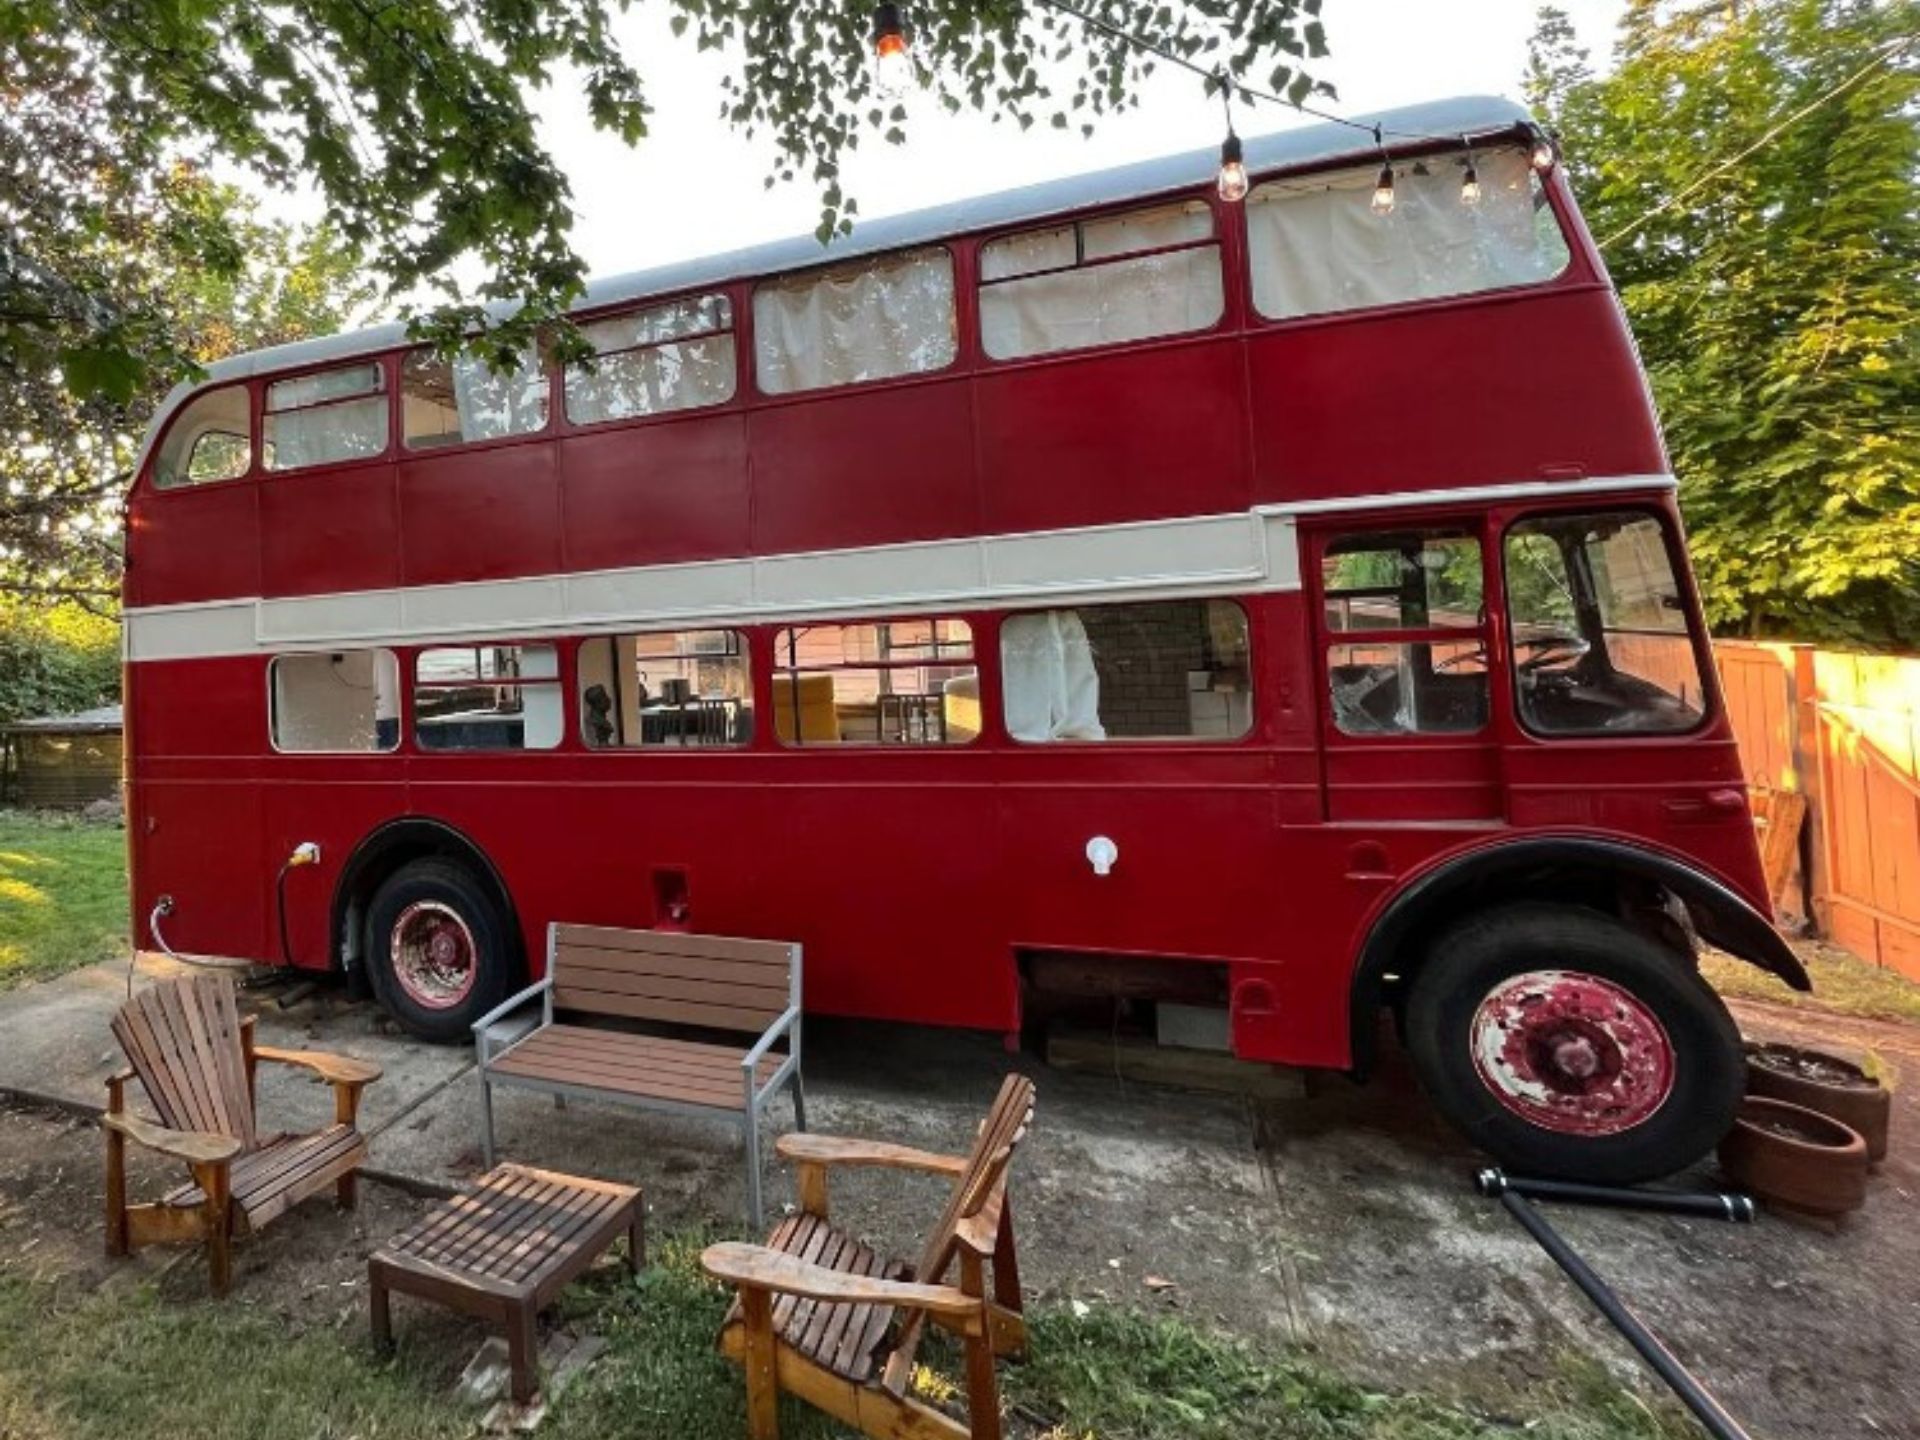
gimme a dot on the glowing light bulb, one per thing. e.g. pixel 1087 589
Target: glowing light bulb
pixel 1470 186
pixel 1233 171
pixel 1383 192
pixel 892 57
pixel 1543 156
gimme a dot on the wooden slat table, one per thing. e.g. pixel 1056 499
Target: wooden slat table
pixel 502 1250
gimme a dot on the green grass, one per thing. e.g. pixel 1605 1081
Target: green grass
pixel 127 1366
pixel 63 894
pixel 1842 983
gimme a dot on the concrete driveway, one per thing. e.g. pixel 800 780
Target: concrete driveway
pixel 1343 1221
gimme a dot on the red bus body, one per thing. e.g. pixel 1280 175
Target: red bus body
pixel 922 880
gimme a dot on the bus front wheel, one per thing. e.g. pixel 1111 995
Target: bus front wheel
pixel 1566 1043
pixel 437 949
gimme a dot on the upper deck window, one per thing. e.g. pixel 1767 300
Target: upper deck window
pixel 1101 282
pixel 889 315
pixel 462 401
pixel 1316 245
pixel 325 418
pixel 210 441
pixel 677 356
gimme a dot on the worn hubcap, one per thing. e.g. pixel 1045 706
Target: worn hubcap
pixel 434 957
pixel 1573 1053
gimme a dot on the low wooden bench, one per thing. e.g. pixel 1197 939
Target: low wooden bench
pixel 503 1250
pixel 709 983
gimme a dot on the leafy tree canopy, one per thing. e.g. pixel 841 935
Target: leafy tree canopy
pixel 1776 305
pixel 412 117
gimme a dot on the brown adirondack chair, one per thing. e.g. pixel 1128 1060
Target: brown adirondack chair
pixel 196 1058
pixel 822 1316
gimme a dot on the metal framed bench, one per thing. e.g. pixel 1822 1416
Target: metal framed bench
pixel 710 983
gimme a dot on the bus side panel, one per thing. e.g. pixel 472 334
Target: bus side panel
pixel 199 543
pixel 487 514
pixel 656 494
pixel 341 534
pixel 334 801
pixel 1543 386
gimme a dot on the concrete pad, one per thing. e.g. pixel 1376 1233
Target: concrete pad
pixel 59 1045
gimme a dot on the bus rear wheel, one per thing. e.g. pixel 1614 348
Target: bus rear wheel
pixel 438 949
pixel 1565 1043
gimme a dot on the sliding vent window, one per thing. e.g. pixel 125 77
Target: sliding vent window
pixel 208 441
pixel 463 400
pixel 1601 643
pixel 691 689
pixel 910 682
pixel 337 702
pixel 892 315
pixel 670 357
pixel 1410 655
pixel 1101 282
pixel 1156 670
pixel 487 697
pixel 324 419
pixel 1317 244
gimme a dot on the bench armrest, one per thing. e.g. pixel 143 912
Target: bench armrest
pixel 196 1147
pixel 835 1150
pixel 512 1003
pixel 755 1267
pixel 765 1043
pixel 334 1069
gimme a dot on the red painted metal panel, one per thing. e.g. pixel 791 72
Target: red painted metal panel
pixel 483 514
pixel 201 543
pixel 656 493
pixel 342 534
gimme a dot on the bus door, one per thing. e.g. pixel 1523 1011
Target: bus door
pixel 1403 635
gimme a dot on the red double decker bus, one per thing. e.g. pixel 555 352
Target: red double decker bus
pixel 1093 591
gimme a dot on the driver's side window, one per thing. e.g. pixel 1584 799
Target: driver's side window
pixel 1406 631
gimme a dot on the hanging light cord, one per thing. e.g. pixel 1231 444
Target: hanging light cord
pixel 1884 55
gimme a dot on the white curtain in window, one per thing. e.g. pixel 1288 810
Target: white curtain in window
pixel 492 405
pixel 1166 294
pixel 679 375
pixel 324 434
pixel 1316 245
pixel 1052 691
pixel 888 316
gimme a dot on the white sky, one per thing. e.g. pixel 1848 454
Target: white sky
pixel 694 186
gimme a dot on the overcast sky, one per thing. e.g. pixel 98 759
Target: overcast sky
pixel 695 187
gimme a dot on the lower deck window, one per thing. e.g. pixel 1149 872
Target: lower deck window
pixel 907 682
pixel 341 701
pixel 688 689
pixel 1156 670
pixel 487 697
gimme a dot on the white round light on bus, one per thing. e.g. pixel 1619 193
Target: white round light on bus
pixel 1543 156
pixel 1383 192
pixel 1233 171
pixel 892 57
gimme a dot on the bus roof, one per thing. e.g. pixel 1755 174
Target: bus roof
pixel 1466 116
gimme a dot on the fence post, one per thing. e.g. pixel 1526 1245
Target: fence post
pixel 1809 763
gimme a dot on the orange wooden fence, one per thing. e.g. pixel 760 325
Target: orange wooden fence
pixel 1845 731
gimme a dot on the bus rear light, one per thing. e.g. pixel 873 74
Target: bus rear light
pixel 1102 854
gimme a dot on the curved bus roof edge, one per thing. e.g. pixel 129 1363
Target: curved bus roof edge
pixel 1310 145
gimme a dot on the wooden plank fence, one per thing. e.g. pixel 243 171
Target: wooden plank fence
pixel 1844 731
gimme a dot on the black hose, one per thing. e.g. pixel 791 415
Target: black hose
pixel 1707 1204
pixel 1707 1410
pixel 280 904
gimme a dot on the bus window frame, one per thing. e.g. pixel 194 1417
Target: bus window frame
pixel 408 454
pixel 386 361
pixel 966 325
pixel 565 676
pixel 1712 703
pixel 749 652
pixel 990 736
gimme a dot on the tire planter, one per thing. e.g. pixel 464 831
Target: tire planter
pixel 1825 1083
pixel 1796 1158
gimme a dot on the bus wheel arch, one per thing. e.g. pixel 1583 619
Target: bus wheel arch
pixel 1649 890
pixel 465 879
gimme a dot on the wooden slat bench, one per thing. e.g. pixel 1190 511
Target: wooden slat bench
pixel 713 983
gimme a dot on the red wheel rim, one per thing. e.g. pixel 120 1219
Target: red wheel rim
pixel 1572 1053
pixel 434 957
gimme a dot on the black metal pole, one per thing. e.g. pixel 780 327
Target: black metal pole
pixel 1707 1410
pixel 1708 1204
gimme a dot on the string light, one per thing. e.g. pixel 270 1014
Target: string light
pixel 1383 187
pixel 1543 156
pixel 1232 183
pixel 1470 182
pixel 892 57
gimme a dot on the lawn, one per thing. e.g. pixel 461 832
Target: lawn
pixel 63 894
pixel 107 1366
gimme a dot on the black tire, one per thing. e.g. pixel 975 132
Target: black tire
pixel 454 888
pixel 1469 961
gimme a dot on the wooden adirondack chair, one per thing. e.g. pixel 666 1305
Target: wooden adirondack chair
pixel 196 1058
pixel 824 1317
